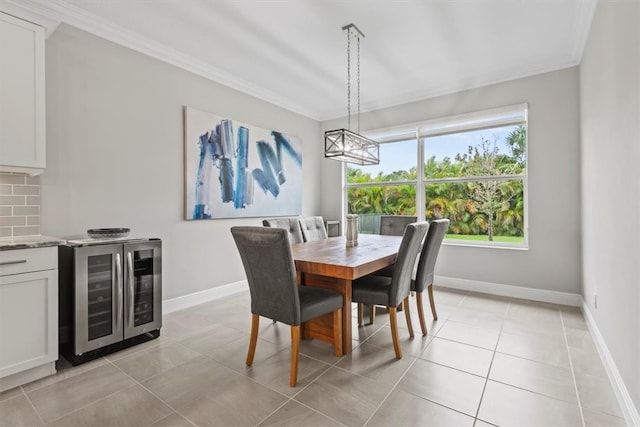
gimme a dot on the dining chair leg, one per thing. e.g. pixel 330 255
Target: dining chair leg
pixel 407 315
pixel 253 340
pixel 295 349
pixel 360 314
pixel 337 332
pixel 372 314
pixel 432 302
pixel 423 324
pixel 394 332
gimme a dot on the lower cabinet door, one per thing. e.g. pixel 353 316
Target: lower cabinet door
pixel 28 320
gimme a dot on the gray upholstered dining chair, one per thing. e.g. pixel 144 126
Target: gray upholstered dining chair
pixel 390 225
pixel 288 223
pixel 393 291
pixel 313 228
pixel 394 225
pixel 271 273
pixel 426 267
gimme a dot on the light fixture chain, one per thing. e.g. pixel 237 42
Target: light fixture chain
pixel 349 78
pixel 358 84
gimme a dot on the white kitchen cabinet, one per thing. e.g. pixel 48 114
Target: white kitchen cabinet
pixel 22 96
pixel 28 315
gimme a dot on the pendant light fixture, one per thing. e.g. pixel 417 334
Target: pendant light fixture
pixel 343 144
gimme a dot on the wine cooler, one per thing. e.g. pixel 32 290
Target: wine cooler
pixel 110 295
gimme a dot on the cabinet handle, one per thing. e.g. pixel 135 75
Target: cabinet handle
pixel 131 288
pixel 119 289
pixel 20 261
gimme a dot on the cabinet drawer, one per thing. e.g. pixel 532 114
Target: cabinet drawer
pixel 25 260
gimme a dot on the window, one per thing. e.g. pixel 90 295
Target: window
pixel 472 170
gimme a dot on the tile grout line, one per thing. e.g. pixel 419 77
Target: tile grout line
pixel 292 397
pixel 288 398
pixel 318 412
pixel 573 374
pixel 32 406
pixel 89 404
pixel 70 412
pixel 395 386
pixel 150 392
pixel 360 343
pixel 493 356
pixel 316 379
pixel 458 305
pixel 415 359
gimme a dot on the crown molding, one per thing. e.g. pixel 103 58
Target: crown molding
pixel 524 71
pixel 24 10
pixel 51 13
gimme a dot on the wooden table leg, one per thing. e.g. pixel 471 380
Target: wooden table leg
pixel 322 327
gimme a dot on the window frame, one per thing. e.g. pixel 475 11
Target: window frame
pixel 419 131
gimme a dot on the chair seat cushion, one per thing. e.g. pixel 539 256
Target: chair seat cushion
pixel 315 302
pixel 371 290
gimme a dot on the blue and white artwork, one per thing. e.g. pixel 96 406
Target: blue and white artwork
pixel 234 170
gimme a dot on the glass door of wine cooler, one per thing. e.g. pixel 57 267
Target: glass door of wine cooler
pixel 143 288
pixel 98 293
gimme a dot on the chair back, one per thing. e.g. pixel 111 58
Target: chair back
pixel 290 223
pixel 313 228
pixel 409 248
pixel 394 225
pixel 271 273
pixel 429 253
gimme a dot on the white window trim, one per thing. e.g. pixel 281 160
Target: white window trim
pixel 494 117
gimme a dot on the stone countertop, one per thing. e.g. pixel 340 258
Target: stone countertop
pixel 28 242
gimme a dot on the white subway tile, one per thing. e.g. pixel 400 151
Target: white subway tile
pixel 13 200
pixel 26 190
pixel 26 231
pixel 12 220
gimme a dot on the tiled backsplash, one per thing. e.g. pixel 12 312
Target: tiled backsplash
pixel 19 205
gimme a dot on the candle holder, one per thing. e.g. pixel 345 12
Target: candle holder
pixel 352 230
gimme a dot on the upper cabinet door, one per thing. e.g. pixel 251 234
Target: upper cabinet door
pixel 22 93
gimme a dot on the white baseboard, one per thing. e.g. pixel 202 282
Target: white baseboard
pixel 27 376
pixel 624 399
pixel 196 298
pixel 541 295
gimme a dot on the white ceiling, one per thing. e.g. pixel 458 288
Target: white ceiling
pixel 293 52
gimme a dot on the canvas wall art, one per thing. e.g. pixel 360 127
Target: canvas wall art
pixel 234 169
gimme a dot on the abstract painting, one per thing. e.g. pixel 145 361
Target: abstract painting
pixel 234 170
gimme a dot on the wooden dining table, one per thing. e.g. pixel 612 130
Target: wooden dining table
pixel 330 264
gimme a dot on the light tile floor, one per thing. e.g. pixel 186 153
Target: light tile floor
pixel 486 361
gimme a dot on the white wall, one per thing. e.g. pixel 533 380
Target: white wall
pixel 552 262
pixel 610 117
pixel 115 154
